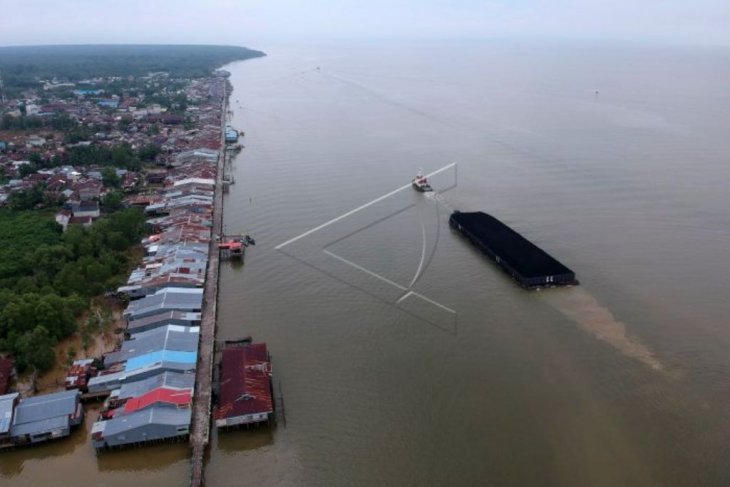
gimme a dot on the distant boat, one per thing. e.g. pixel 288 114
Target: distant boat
pixel 420 183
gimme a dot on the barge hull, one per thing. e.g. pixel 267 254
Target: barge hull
pixel 524 261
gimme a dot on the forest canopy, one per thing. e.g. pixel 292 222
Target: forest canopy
pixel 23 66
pixel 47 277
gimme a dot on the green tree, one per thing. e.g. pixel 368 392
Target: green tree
pixel 27 169
pixel 19 315
pixel 112 201
pixel 35 349
pixel 53 313
pixel 36 159
pixel 77 241
pixel 63 123
pixel 70 280
pixel 27 199
pixel 124 124
pixel 148 152
pixel 109 177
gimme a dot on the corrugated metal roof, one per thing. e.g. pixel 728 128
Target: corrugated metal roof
pixel 38 408
pixel 78 374
pixel 146 417
pixel 245 381
pixel 171 298
pixel 169 337
pixel 203 181
pixel 114 380
pixel 40 426
pixel 160 395
pixel 45 413
pixel 159 357
pixel 164 317
pixel 167 379
pixel 7 404
pixel 167 332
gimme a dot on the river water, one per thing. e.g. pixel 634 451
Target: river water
pixel 403 355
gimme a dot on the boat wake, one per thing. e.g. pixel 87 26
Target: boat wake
pixel 320 249
pixel 441 200
pixel 594 318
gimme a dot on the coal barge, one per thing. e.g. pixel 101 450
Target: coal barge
pixel 528 264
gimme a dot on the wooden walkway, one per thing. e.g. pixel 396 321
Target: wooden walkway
pixel 200 428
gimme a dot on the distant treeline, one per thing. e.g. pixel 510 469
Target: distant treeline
pixel 21 67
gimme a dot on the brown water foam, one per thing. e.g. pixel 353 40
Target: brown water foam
pixel 591 316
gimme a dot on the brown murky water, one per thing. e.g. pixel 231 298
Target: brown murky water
pixel 621 381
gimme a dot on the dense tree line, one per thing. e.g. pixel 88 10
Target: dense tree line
pixel 22 66
pixel 121 155
pixel 8 122
pixel 47 277
pixel 33 198
pixel 61 122
pixel 118 156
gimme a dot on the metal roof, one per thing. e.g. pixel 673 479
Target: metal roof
pixel 168 333
pixel 169 337
pixel 44 413
pixel 183 249
pixel 171 298
pixel 7 404
pixel 167 379
pixel 163 317
pixel 40 426
pixel 203 181
pixel 188 265
pixel 38 408
pixel 161 395
pixel 140 419
pixel 161 356
pixel 151 368
pixel 245 386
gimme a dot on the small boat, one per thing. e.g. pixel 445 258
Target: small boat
pixel 248 240
pixel 238 341
pixel 420 183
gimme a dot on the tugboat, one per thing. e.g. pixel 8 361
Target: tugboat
pixel 420 183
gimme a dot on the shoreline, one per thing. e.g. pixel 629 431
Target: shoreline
pixel 103 341
pixel 94 340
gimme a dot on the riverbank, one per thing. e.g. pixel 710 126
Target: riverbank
pixel 94 338
pixel 183 235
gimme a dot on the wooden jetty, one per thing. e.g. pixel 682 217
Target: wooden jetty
pixel 200 427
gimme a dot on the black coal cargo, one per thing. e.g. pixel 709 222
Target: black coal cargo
pixel 527 263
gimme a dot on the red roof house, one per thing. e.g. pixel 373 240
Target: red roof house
pixel 245 386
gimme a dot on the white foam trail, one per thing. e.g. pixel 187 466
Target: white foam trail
pixel 423 253
pixel 359 208
pixel 440 199
pixel 594 318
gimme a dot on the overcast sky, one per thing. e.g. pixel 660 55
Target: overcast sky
pixel 250 22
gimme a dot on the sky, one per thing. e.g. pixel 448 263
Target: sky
pixel 251 22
